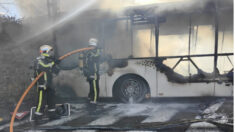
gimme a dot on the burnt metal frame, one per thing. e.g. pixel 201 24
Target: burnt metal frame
pixel 182 59
pixel 174 57
pixel 138 19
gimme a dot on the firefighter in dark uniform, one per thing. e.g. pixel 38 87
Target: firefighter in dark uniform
pixel 89 64
pixel 45 63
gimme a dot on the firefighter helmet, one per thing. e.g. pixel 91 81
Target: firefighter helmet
pixel 93 42
pixel 46 49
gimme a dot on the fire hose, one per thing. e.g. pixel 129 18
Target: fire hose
pixel 34 82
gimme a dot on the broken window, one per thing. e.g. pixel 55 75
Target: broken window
pixel 177 39
pixel 144 41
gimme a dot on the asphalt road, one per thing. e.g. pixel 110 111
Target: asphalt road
pixel 214 114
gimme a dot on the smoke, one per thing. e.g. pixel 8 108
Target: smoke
pixel 73 81
pixel 40 7
pixel 74 29
pixel 30 8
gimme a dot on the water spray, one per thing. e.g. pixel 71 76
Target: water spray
pixel 78 11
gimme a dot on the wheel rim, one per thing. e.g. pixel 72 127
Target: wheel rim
pixel 131 89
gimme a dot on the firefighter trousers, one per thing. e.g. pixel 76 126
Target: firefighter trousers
pixel 45 97
pixel 94 89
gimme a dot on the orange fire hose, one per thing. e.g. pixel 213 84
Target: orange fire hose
pixel 75 51
pixel 34 82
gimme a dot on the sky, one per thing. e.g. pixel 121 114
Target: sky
pixel 9 8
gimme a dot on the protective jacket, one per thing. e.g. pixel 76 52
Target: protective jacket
pixel 91 63
pixel 46 64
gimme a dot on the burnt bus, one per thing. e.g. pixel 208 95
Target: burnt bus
pixel 168 54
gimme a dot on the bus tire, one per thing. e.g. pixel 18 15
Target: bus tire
pixel 130 88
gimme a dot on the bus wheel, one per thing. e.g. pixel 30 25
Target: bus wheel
pixel 130 89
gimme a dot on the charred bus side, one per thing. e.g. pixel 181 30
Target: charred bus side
pixel 135 72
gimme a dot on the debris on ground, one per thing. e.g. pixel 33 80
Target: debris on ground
pixel 152 115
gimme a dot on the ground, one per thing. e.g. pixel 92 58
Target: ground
pixel 180 114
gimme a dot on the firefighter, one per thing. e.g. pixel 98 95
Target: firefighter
pixel 89 65
pixel 48 64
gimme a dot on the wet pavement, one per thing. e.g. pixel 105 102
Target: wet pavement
pixel 214 114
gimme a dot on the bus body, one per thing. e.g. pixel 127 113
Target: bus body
pixel 137 78
pixel 159 84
